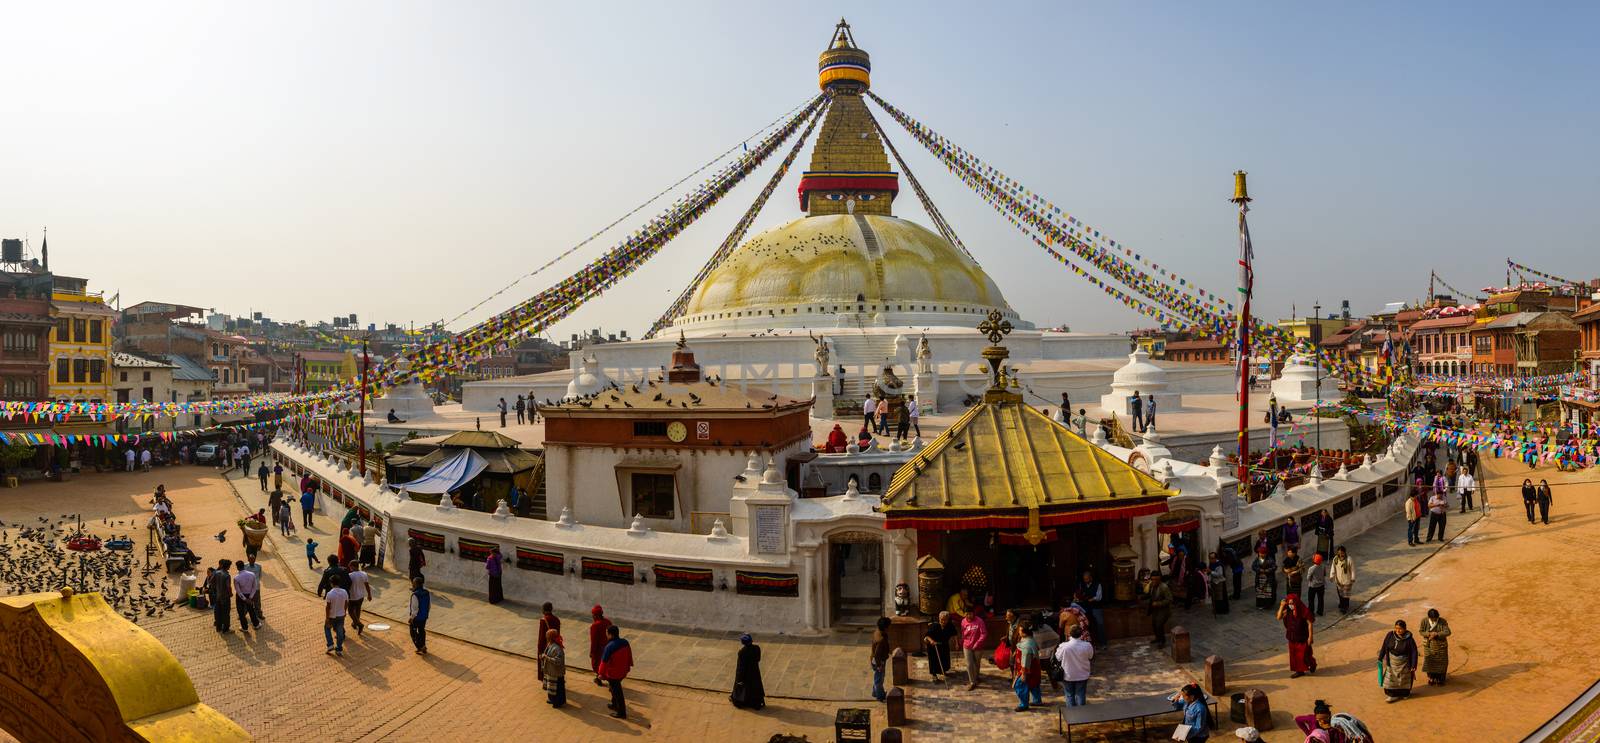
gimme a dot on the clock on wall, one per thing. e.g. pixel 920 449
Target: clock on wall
pixel 677 432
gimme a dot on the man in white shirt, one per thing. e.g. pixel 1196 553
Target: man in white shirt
pixel 246 595
pixel 1466 485
pixel 360 591
pixel 1075 655
pixel 144 459
pixel 915 411
pixel 869 412
pixel 129 455
pixel 333 612
pixel 255 568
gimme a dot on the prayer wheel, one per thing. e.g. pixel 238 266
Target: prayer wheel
pixel 930 585
pixel 1123 573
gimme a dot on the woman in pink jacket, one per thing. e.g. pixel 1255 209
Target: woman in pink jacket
pixel 974 631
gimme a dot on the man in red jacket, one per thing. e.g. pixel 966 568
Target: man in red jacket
pixel 597 641
pixel 615 662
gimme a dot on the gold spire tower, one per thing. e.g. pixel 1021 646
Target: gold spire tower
pixel 849 171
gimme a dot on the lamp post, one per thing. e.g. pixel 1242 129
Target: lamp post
pixel 1316 350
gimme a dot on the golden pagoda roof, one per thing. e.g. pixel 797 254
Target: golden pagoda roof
pixel 1005 457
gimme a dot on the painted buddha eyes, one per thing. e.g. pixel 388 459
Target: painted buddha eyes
pixel 859 196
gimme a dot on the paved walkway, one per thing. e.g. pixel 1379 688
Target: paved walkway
pixel 1381 557
pixel 827 667
pixel 280 686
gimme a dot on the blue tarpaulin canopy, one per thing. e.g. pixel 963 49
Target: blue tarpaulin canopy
pixel 448 475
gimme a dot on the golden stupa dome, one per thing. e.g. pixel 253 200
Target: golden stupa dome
pixel 842 269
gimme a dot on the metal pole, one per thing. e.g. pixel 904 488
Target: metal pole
pixel 1241 197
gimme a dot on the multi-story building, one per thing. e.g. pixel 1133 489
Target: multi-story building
pixel 326 369
pixel 1203 351
pixel 25 325
pixel 1443 345
pixel 1581 400
pixel 80 348
pixel 173 330
pixel 1526 344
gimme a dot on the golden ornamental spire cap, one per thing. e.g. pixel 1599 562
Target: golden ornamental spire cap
pixel 844 67
pixel 1241 192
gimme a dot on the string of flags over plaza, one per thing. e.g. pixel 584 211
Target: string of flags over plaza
pixel 1132 278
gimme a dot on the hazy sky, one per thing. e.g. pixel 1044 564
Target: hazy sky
pixel 403 160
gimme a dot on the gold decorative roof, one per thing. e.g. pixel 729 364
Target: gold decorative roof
pixel 1006 455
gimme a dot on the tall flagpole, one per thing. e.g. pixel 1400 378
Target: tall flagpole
pixel 1241 196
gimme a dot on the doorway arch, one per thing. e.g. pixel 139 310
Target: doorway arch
pixel 856 577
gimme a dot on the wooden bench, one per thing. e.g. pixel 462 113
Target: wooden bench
pixel 1137 708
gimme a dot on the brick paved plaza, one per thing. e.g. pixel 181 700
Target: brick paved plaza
pixel 1509 589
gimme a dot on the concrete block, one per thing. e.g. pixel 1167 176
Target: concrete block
pixel 895 707
pixel 1214 679
pixel 1178 642
pixel 1257 712
pixel 899 668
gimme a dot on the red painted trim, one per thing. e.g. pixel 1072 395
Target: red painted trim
pixel 848 183
pixel 932 522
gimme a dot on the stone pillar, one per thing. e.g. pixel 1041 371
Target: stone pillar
pixel 899 668
pixel 895 707
pixel 1257 712
pixel 899 544
pixel 1215 677
pixel 808 581
pixel 822 390
pixel 1178 642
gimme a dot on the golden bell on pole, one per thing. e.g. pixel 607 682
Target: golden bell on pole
pixel 1240 192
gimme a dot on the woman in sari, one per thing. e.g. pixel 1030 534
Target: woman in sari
pixel 1296 618
pixel 1266 571
pixel 1397 662
pixel 937 642
pixel 1435 647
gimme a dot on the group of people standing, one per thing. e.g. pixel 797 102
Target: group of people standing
pixel 875 417
pixel 1399 654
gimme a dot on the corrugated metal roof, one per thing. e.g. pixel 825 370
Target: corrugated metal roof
pixel 189 370
pixel 1005 454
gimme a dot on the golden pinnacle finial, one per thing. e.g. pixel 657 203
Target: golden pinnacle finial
pixel 1241 193
pixel 682 344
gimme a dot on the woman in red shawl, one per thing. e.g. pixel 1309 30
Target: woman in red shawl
pixel 349 548
pixel 1297 618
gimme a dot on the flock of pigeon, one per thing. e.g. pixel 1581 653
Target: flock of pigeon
pixel 34 559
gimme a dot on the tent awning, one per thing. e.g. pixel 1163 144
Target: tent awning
pixel 448 475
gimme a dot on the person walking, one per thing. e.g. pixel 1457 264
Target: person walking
pixel 255 569
pixel 502 407
pixel 548 621
pixel 869 414
pixel 369 544
pixel 1293 572
pixel 974 631
pixel 1266 571
pixel 937 642
pixel 334 605
pixel 1316 583
pixel 1544 498
pixel 615 662
pixel 1150 411
pixel 522 409
pixel 1026 678
pixel 1397 662
pixel 1530 496
pixel 285 519
pixel 417 614
pixel 277 476
pixel 1230 558
pixel 1437 507
pixel 1414 511
pixel 360 590
pixel 1466 485
pixel 1344 577
pixel 553 668
pixel 903 423
pixel 597 641
pixel 246 594
pixel 415 559
pixel 915 412
pixel 1218 575
pixel 261 474
pixel 1435 647
pixel 879 657
pixel 334 572
pixel 308 503
pixel 274 500
pixel 222 596
pixel 748 691
pixel 1297 621
pixel 491 565
pixel 1160 609
pixel 1324 533
pixel 1075 657
pixel 311 553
